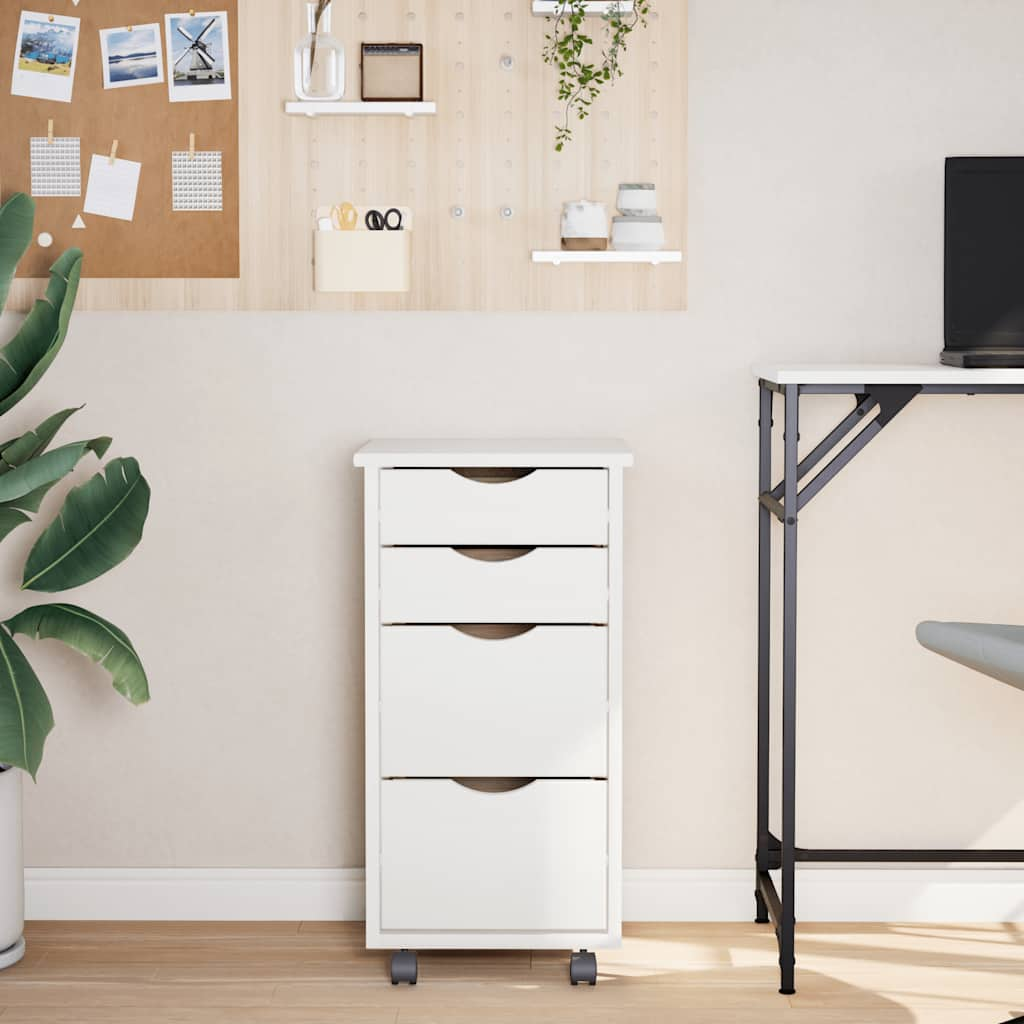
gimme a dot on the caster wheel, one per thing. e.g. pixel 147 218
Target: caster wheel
pixel 404 967
pixel 583 967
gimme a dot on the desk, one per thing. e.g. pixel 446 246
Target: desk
pixel 880 393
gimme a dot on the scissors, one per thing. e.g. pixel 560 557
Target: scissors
pixel 344 217
pixel 377 221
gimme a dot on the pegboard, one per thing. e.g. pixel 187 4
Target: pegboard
pixel 490 145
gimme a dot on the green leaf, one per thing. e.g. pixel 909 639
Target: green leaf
pixel 19 450
pixel 92 636
pixel 26 717
pixel 98 527
pixel 10 518
pixel 45 470
pixel 16 217
pixel 28 355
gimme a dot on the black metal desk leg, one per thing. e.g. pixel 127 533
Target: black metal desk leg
pixel 764 596
pixel 789 588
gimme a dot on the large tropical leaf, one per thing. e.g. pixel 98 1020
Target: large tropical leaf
pixel 19 450
pixel 9 519
pixel 16 217
pixel 92 636
pixel 28 355
pixel 97 528
pixel 25 714
pixel 45 470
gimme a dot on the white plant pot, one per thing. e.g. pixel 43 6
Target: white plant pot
pixel 12 870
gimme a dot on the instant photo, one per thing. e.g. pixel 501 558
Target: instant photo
pixel 198 62
pixel 45 55
pixel 131 56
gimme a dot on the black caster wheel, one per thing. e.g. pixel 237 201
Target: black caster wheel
pixel 583 967
pixel 760 909
pixel 403 967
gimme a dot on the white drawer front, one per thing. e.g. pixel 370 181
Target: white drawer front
pixel 531 859
pixel 529 705
pixel 445 585
pixel 548 506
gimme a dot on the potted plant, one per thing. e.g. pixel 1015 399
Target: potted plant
pixel 566 48
pixel 98 526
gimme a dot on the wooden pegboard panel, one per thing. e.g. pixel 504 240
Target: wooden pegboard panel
pixel 490 145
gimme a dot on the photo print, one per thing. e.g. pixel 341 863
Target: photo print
pixel 131 56
pixel 45 55
pixel 198 62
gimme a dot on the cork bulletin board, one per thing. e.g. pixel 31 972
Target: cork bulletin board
pixel 158 242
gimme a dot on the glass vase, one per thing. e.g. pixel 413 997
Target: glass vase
pixel 319 60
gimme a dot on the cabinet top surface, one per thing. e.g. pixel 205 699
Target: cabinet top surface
pixel 532 452
pixel 882 373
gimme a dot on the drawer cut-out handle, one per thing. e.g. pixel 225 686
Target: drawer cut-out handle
pixel 494 630
pixel 493 785
pixel 492 474
pixel 493 554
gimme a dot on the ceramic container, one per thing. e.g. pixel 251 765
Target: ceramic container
pixel 584 225
pixel 631 234
pixel 637 199
pixel 12 872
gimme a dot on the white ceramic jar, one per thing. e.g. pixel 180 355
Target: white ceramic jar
pixel 633 234
pixel 637 199
pixel 584 225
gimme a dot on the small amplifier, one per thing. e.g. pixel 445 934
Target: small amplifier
pixel 392 71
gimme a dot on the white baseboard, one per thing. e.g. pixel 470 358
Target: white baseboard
pixel 670 894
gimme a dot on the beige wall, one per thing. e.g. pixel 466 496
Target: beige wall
pixel 817 137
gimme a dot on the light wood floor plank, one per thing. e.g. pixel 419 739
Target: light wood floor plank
pixel 315 972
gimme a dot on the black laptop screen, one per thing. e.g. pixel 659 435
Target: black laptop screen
pixel 984 252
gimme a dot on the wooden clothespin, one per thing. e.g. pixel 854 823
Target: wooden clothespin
pixel 49 131
pixel 191 145
pixel 191 12
pixel 113 152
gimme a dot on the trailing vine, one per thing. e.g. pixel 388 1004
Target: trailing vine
pixel 565 47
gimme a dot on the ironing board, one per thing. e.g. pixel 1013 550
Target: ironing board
pixel 996 651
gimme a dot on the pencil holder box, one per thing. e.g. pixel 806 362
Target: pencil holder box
pixel 363 260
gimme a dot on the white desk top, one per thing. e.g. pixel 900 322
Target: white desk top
pixel 882 373
pixel 535 452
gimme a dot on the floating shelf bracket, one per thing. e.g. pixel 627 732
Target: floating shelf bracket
pixel 393 108
pixel 652 256
pixel 594 7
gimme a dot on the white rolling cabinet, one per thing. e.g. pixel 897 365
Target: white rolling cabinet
pixel 493 697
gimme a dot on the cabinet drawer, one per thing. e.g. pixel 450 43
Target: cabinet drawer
pixel 529 859
pixel 443 506
pixel 458 585
pixel 460 703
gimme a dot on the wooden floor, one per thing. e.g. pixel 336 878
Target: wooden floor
pixel 314 973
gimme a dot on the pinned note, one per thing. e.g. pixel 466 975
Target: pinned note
pixel 196 180
pixel 56 166
pixel 112 187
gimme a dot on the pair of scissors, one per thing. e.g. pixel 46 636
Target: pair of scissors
pixel 344 217
pixel 377 221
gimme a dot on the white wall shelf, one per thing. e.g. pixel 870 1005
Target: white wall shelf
pixel 322 108
pixel 549 7
pixel 652 256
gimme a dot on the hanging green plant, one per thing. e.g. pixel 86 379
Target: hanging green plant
pixel 566 47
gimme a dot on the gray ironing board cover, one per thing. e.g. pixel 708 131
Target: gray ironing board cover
pixel 996 651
